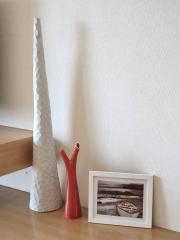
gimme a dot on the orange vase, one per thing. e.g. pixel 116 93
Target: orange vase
pixel 72 204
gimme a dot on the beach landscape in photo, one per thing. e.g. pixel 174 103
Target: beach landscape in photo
pixel 120 199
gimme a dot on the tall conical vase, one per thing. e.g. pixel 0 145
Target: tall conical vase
pixel 72 204
pixel 45 194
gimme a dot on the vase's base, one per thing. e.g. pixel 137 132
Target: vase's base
pixel 72 216
pixel 45 209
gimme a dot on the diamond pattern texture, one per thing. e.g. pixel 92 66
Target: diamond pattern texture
pixel 45 192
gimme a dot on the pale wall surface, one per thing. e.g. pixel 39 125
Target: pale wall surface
pixel 113 72
pixel 16 63
pixel 16 103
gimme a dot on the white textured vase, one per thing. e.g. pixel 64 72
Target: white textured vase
pixel 45 192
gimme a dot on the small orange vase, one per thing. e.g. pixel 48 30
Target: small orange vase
pixel 72 204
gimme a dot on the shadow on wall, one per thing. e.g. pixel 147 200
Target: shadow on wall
pixel 160 214
pixel 15 55
pixel 82 127
pixel 80 107
pixel 4 45
pixel 78 117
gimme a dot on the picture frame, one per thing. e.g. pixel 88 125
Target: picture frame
pixel 120 199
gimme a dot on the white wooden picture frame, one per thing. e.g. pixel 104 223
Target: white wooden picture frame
pixel 120 199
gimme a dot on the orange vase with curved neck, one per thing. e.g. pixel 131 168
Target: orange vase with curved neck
pixel 72 204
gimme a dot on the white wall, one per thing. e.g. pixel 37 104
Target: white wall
pixel 16 64
pixel 16 107
pixel 113 72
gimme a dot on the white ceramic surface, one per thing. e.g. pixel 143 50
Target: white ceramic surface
pixel 45 192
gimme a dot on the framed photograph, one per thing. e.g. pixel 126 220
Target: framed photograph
pixel 120 199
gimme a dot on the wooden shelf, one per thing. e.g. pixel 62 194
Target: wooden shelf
pixel 15 149
pixel 18 222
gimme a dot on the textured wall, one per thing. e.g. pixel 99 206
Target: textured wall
pixel 113 72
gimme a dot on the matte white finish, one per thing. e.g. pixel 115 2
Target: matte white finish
pixel 146 179
pixel 45 192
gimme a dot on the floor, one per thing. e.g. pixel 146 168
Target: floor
pixel 18 222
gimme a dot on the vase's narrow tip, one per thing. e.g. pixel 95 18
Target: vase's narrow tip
pixel 61 151
pixel 36 20
pixel 77 145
